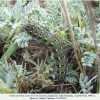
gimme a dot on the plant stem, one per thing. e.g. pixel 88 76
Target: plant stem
pixel 88 8
pixel 76 48
pixel 9 52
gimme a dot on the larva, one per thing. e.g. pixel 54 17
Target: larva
pixel 55 45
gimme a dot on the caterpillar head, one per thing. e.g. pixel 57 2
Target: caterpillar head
pixel 25 26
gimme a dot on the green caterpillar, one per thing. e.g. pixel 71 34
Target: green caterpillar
pixel 55 45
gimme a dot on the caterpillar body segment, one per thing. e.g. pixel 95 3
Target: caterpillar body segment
pixel 56 46
pixel 60 76
pixel 54 42
pixel 59 53
pixel 60 69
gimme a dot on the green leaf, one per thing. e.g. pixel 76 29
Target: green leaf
pixel 9 52
pixel 7 75
pixel 88 84
pixel 71 76
pixel 81 77
pixel 89 89
pixel 85 84
pixel 88 59
pixel 22 39
pixel 85 80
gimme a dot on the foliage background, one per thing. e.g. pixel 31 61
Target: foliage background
pixel 24 68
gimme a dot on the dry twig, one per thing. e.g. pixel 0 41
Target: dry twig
pixel 77 51
pixel 88 8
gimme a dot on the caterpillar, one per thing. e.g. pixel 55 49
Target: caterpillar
pixel 56 47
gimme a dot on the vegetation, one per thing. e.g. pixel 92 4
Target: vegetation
pixel 27 66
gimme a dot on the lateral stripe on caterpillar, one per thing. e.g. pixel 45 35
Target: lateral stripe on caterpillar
pixel 56 47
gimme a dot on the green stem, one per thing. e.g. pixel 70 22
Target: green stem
pixel 9 52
